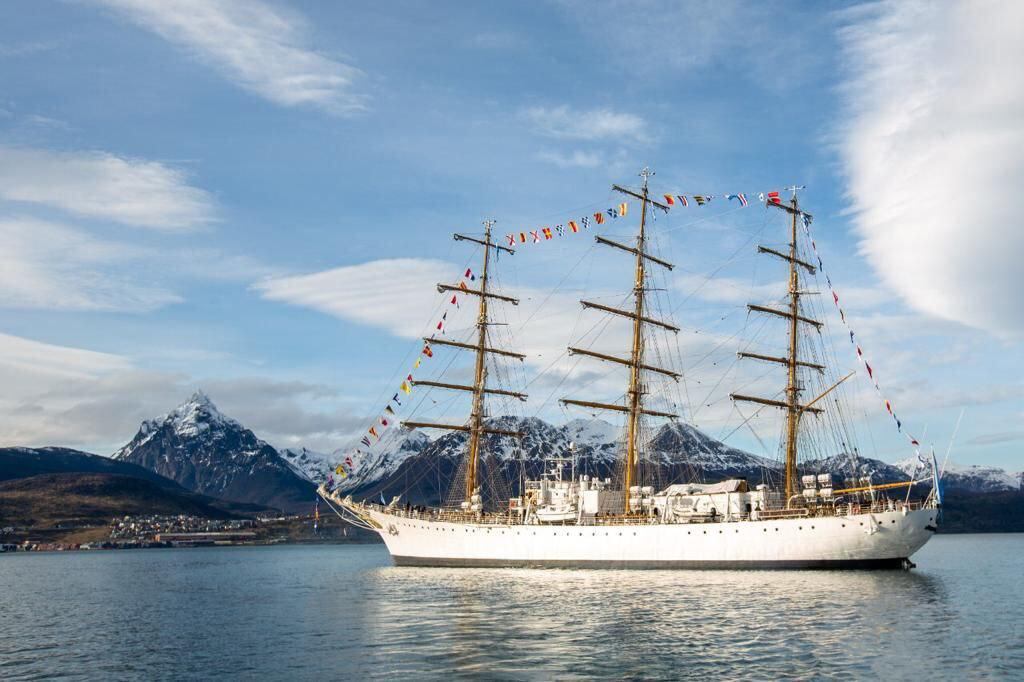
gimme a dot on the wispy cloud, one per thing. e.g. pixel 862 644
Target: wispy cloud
pixel 392 294
pixel 62 362
pixel 996 438
pixel 596 124
pixel 577 159
pixel 100 185
pixel 931 147
pixel 258 47
pixel 46 265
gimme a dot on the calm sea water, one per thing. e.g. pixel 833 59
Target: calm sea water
pixel 331 612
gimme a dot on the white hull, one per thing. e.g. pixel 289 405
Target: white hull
pixel 873 540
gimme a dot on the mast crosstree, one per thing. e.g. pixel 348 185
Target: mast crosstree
pixel 633 407
pixel 479 389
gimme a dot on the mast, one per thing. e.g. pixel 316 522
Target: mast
pixel 476 417
pixel 479 388
pixel 634 407
pixel 792 397
pixel 794 410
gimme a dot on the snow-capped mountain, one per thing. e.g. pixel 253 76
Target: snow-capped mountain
pixel 423 473
pixel 309 464
pixel 382 461
pixel 210 453
pixel 973 478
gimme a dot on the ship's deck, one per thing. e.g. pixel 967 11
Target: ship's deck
pixel 512 518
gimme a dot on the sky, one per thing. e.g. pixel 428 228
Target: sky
pixel 256 199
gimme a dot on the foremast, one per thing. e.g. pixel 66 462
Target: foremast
pixel 479 388
pixel 634 407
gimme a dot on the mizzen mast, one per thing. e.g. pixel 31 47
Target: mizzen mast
pixel 634 407
pixel 479 389
pixel 794 410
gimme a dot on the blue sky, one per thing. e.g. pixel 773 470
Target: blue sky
pixel 255 198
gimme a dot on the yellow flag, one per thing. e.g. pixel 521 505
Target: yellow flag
pixel 405 387
pixel 416 364
pixel 623 207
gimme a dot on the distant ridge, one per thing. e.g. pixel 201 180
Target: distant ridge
pixel 24 462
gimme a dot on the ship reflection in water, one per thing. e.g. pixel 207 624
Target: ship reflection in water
pixel 343 612
pixel 660 623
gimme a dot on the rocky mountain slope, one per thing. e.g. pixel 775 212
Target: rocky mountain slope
pixel 209 453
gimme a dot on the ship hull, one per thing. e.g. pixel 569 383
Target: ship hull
pixel 864 541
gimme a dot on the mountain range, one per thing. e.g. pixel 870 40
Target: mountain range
pixel 206 452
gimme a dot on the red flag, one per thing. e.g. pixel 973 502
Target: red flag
pixel 870 373
pixel 439 325
pixel 455 300
pixel 599 218
pixel 773 198
pixel 469 273
pixel 835 297
pixel 669 200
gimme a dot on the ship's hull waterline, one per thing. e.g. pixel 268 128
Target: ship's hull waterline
pixel 863 541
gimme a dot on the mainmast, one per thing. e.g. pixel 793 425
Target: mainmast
pixel 634 407
pixel 479 389
pixel 794 410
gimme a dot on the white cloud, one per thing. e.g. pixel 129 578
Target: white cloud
pixel 52 266
pixel 597 124
pixel 932 153
pixel 392 294
pixel 60 395
pixel 99 185
pixel 257 46
pixel 577 159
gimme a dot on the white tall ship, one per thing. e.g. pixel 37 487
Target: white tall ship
pixel 562 519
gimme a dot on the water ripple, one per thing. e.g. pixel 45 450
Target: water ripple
pixel 341 612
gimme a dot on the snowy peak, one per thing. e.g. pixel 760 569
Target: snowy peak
pixel 973 477
pixel 203 450
pixel 309 464
pixel 192 417
pixel 591 432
